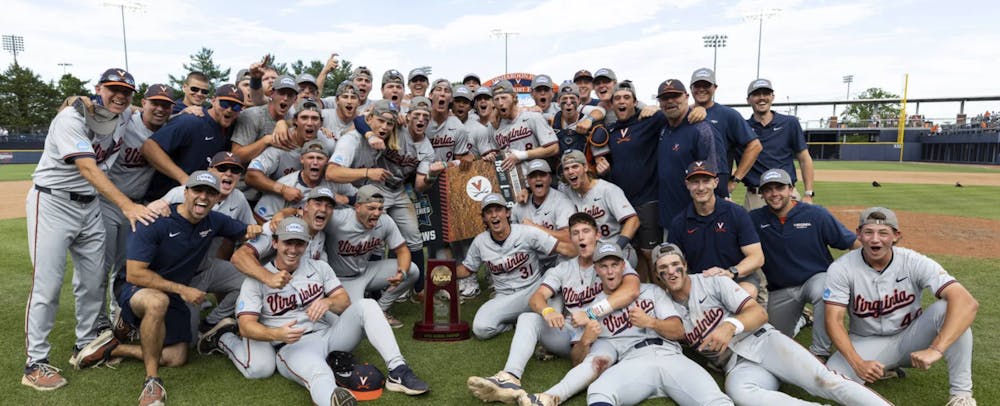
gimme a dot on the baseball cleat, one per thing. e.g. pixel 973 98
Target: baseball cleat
pixel 894 373
pixel 42 376
pixel 123 332
pixel 956 400
pixel 153 393
pixel 502 387
pixel 392 320
pixel 402 379
pixel 342 397
pixel 209 342
pixel 96 352
pixel 468 288
pixel 543 354
pixel 538 399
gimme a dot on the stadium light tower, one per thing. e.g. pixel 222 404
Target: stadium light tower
pixel 715 41
pixel 13 44
pixel 122 5
pixel 64 66
pixel 848 79
pixel 760 16
pixel 497 33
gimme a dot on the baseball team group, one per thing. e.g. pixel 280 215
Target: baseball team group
pixel 628 251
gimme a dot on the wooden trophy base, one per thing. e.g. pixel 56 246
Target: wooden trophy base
pixel 441 332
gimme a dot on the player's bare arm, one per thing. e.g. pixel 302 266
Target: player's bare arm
pixel 342 174
pixel 403 262
pixel 337 303
pixel 750 152
pixel 462 272
pixel 539 303
pixel 567 249
pixel 423 182
pixel 133 211
pixel 246 261
pixel 670 328
pixel 281 137
pixel 870 371
pixel 808 174
pixel 250 327
pixel 629 227
pixel 962 309
pixel 753 258
pixel 159 159
pixel 139 274
pixel 752 316
pixel 581 348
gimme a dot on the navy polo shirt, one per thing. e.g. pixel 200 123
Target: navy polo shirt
pixel 713 240
pixel 782 139
pixel 734 134
pixel 632 156
pixel 190 141
pixel 174 248
pixel 678 147
pixel 797 250
pixel 178 106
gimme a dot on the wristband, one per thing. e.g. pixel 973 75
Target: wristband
pixel 601 308
pixel 623 241
pixel 402 273
pixel 352 199
pixel 736 323
pixel 591 315
pixel 256 83
pixel 547 310
pixel 520 155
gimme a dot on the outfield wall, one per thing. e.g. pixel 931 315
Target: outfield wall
pixel 20 157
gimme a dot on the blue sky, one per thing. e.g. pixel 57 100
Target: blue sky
pixel 808 46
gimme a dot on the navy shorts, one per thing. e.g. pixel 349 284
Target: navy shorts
pixel 177 319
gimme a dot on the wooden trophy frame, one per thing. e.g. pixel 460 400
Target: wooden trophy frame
pixel 441 284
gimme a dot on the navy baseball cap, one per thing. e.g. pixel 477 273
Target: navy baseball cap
pixel 583 73
pixel 231 93
pixel 160 91
pixel 117 77
pixel 700 168
pixel 363 380
pixel 670 88
pixel 225 157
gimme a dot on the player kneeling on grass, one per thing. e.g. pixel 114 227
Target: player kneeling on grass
pixel 726 326
pixel 286 326
pixel 638 347
pixel 156 285
pixel 880 287
pixel 511 253
pixel 577 285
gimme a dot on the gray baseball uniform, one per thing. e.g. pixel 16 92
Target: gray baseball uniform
pixel 886 320
pixel 304 361
pixel 262 248
pixel 526 131
pixel 349 245
pixel 552 214
pixel 254 123
pixel 276 162
pixel 449 139
pixel 516 273
pixel 607 204
pixel 756 362
pixel 353 151
pixel 479 136
pixel 332 122
pixel 269 204
pixel 64 215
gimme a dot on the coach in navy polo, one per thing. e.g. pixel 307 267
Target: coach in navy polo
pixel 716 234
pixel 680 144
pixel 187 142
pixel 796 237
pixel 783 142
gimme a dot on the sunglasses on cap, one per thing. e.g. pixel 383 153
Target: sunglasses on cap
pixel 198 90
pixel 229 104
pixel 114 77
pixel 234 169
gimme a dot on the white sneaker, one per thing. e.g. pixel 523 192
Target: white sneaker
pixel 957 400
pixel 468 288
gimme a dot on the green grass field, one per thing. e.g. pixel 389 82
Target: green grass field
pixel 12 172
pixel 903 166
pixel 213 380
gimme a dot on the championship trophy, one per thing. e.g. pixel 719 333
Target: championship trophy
pixel 442 321
pixel 462 190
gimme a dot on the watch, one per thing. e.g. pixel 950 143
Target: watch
pixel 735 179
pixel 733 270
pixel 810 193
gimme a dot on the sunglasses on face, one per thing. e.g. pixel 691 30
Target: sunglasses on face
pixel 198 90
pixel 235 170
pixel 228 104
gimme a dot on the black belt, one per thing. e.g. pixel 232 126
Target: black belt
pixel 648 342
pixel 279 346
pixel 752 189
pixel 76 197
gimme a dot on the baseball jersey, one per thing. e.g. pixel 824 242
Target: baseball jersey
pixel 349 244
pixel 552 214
pixel 130 172
pixel 577 286
pixel 353 151
pixel 262 248
pixel 512 262
pixel 679 147
pixel 526 131
pixel 734 133
pixel 174 248
pixel 711 300
pixel 449 139
pixel 883 303
pixel 782 139
pixel 271 203
pixel 190 141
pixel 633 156
pixel 311 281
pixel 332 122
pixel 795 248
pixel 479 136
pixel 254 123
pixel 607 204
pixel 715 239
pixel 617 328
pixel 69 139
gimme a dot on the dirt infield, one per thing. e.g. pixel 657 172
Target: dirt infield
pixel 927 233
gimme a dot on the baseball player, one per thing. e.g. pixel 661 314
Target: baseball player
pixel 575 127
pixel 447 133
pixel 392 88
pixel 286 327
pixel 717 234
pixel 796 238
pixel 510 253
pixel 354 235
pixel 417 82
pixel 522 135
pixel 63 215
pixel 616 219
pixel 162 260
pixel 274 163
pixel 131 173
pixel 575 285
pixel 308 88
pixel 880 287
pixel 195 88
pixel 544 207
pixel 291 187
pixel 187 142
pixel 632 352
pixel 254 132
pixel 339 118
pixel 734 132
pixel 542 93
pixel 462 108
pixel 723 323
pixel 585 81
pixel 472 81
